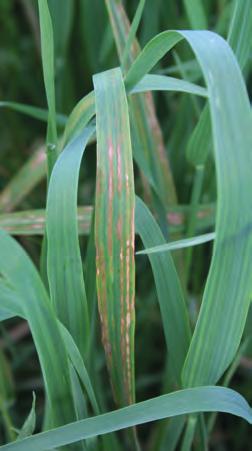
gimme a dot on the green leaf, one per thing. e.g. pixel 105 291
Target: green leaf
pixel 34 112
pixel 79 117
pixel 79 365
pixel 170 295
pixel 114 232
pixel 180 244
pixel 28 176
pixel 200 142
pixel 132 32
pixel 227 295
pixel 47 50
pixel 163 83
pixel 240 31
pixel 192 400
pixel 32 222
pixel 196 14
pixel 23 293
pixel 64 265
pixel 30 422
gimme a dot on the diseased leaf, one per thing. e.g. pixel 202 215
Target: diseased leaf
pixel 114 232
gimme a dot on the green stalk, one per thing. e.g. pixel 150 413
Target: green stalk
pixel 189 433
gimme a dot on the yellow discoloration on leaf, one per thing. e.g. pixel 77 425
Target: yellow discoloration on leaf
pixel 114 233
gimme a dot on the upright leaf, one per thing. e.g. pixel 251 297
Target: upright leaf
pixel 114 232
pixel 64 265
pixel 196 14
pixel 240 31
pixel 170 295
pixel 47 50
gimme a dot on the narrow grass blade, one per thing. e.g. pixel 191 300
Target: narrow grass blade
pixel 164 83
pixel 64 265
pixel 32 111
pixel 22 285
pixel 150 55
pixel 78 364
pixel 79 117
pixel 172 305
pixel 192 400
pixel 114 232
pixel 240 31
pixel 33 222
pixel 181 244
pixel 196 14
pixel 30 174
pixel 6 396
pixel 62 14
pixel 30 422
pixel 132 31
pixel 47 50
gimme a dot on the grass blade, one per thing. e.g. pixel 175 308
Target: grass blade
pixel 193 400
pixel 226 298
pixel 196 14
pixel 47 52
pixel 163 83
pixel 79 117
pixel 32 111
pixel 212 349
pixel 30 174
pixel 181 244
pixel 114 232
pixel 170 295
pixel 64 265
pixel 240 31
pixel 21 282
pixel 132 31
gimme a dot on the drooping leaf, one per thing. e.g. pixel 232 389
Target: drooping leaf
pixel 212 349
pixel 192 400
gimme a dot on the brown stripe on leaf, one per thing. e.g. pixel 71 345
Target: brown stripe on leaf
pixel 114 232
